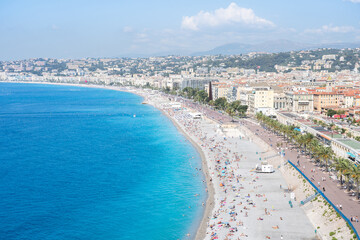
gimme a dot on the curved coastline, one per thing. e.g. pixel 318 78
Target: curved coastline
pixel 209 206
pixel 255 144
pixel 201 230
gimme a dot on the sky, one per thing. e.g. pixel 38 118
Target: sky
pixel 117 28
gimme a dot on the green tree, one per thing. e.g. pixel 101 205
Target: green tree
pixel 347 172
pixel 355 175
pixel 242 109
pixel 326 154
pixel 189 92
pixel 239 109
pixel 340 165
pixel 167 89
pixel 331 112
pixel 221 103
pixel 201 96
pixel 232 112
pixel 308 137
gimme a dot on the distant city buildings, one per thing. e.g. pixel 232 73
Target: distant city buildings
pixel 303 81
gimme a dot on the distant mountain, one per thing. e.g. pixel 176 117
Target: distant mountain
pixel 227 49
pixel 271 47
pixel 279 46
pixel 340 45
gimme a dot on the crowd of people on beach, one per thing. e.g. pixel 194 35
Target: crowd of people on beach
pixel 240 200
pixel 236 199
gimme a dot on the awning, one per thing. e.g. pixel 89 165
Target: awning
pixel 351 155
pixel 297 129
pixel 326 137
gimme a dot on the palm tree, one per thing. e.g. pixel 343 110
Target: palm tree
pixel 308 137
pixel 355 174
pixel 275 127
pixel 326 154
pixel 314 145
pixel 349 135
pixel 340 165
pixel 317 149
pixel 347 173
pixel 259 116
pixel 292 134
pixel 337 129
pixel 231 111
pixel 300 139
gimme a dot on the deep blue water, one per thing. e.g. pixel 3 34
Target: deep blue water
pixel 76 164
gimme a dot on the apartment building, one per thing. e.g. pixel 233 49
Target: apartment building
pixel 349 100
pixel 261 99
pixel 300 101
pixel 326 100
pixel 280 101
pixel 194 83
pixel 221 89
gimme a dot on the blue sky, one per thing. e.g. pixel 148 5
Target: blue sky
pixel 109 28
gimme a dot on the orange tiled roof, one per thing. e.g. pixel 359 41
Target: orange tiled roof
pixel 325 93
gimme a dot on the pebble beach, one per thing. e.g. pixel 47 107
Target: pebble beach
pixel 242 204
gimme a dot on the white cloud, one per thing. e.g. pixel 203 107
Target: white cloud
pixel 224 16
pixel 331 29
pixel 141 38
pixel 127 29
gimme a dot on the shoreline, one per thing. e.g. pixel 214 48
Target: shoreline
pixel 216 208
pixel 209 206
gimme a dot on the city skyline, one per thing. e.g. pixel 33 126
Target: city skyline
pixel 65 29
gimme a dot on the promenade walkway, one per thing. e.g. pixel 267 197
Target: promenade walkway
pixel 208 112
pixel 339 196
pixel 327 181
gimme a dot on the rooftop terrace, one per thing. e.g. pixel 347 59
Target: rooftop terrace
pixel 351 143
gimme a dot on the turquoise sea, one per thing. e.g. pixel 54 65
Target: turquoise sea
pixel 75 163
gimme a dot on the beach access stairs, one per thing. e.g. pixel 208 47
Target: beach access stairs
pixel 271 156
pixel 308 199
